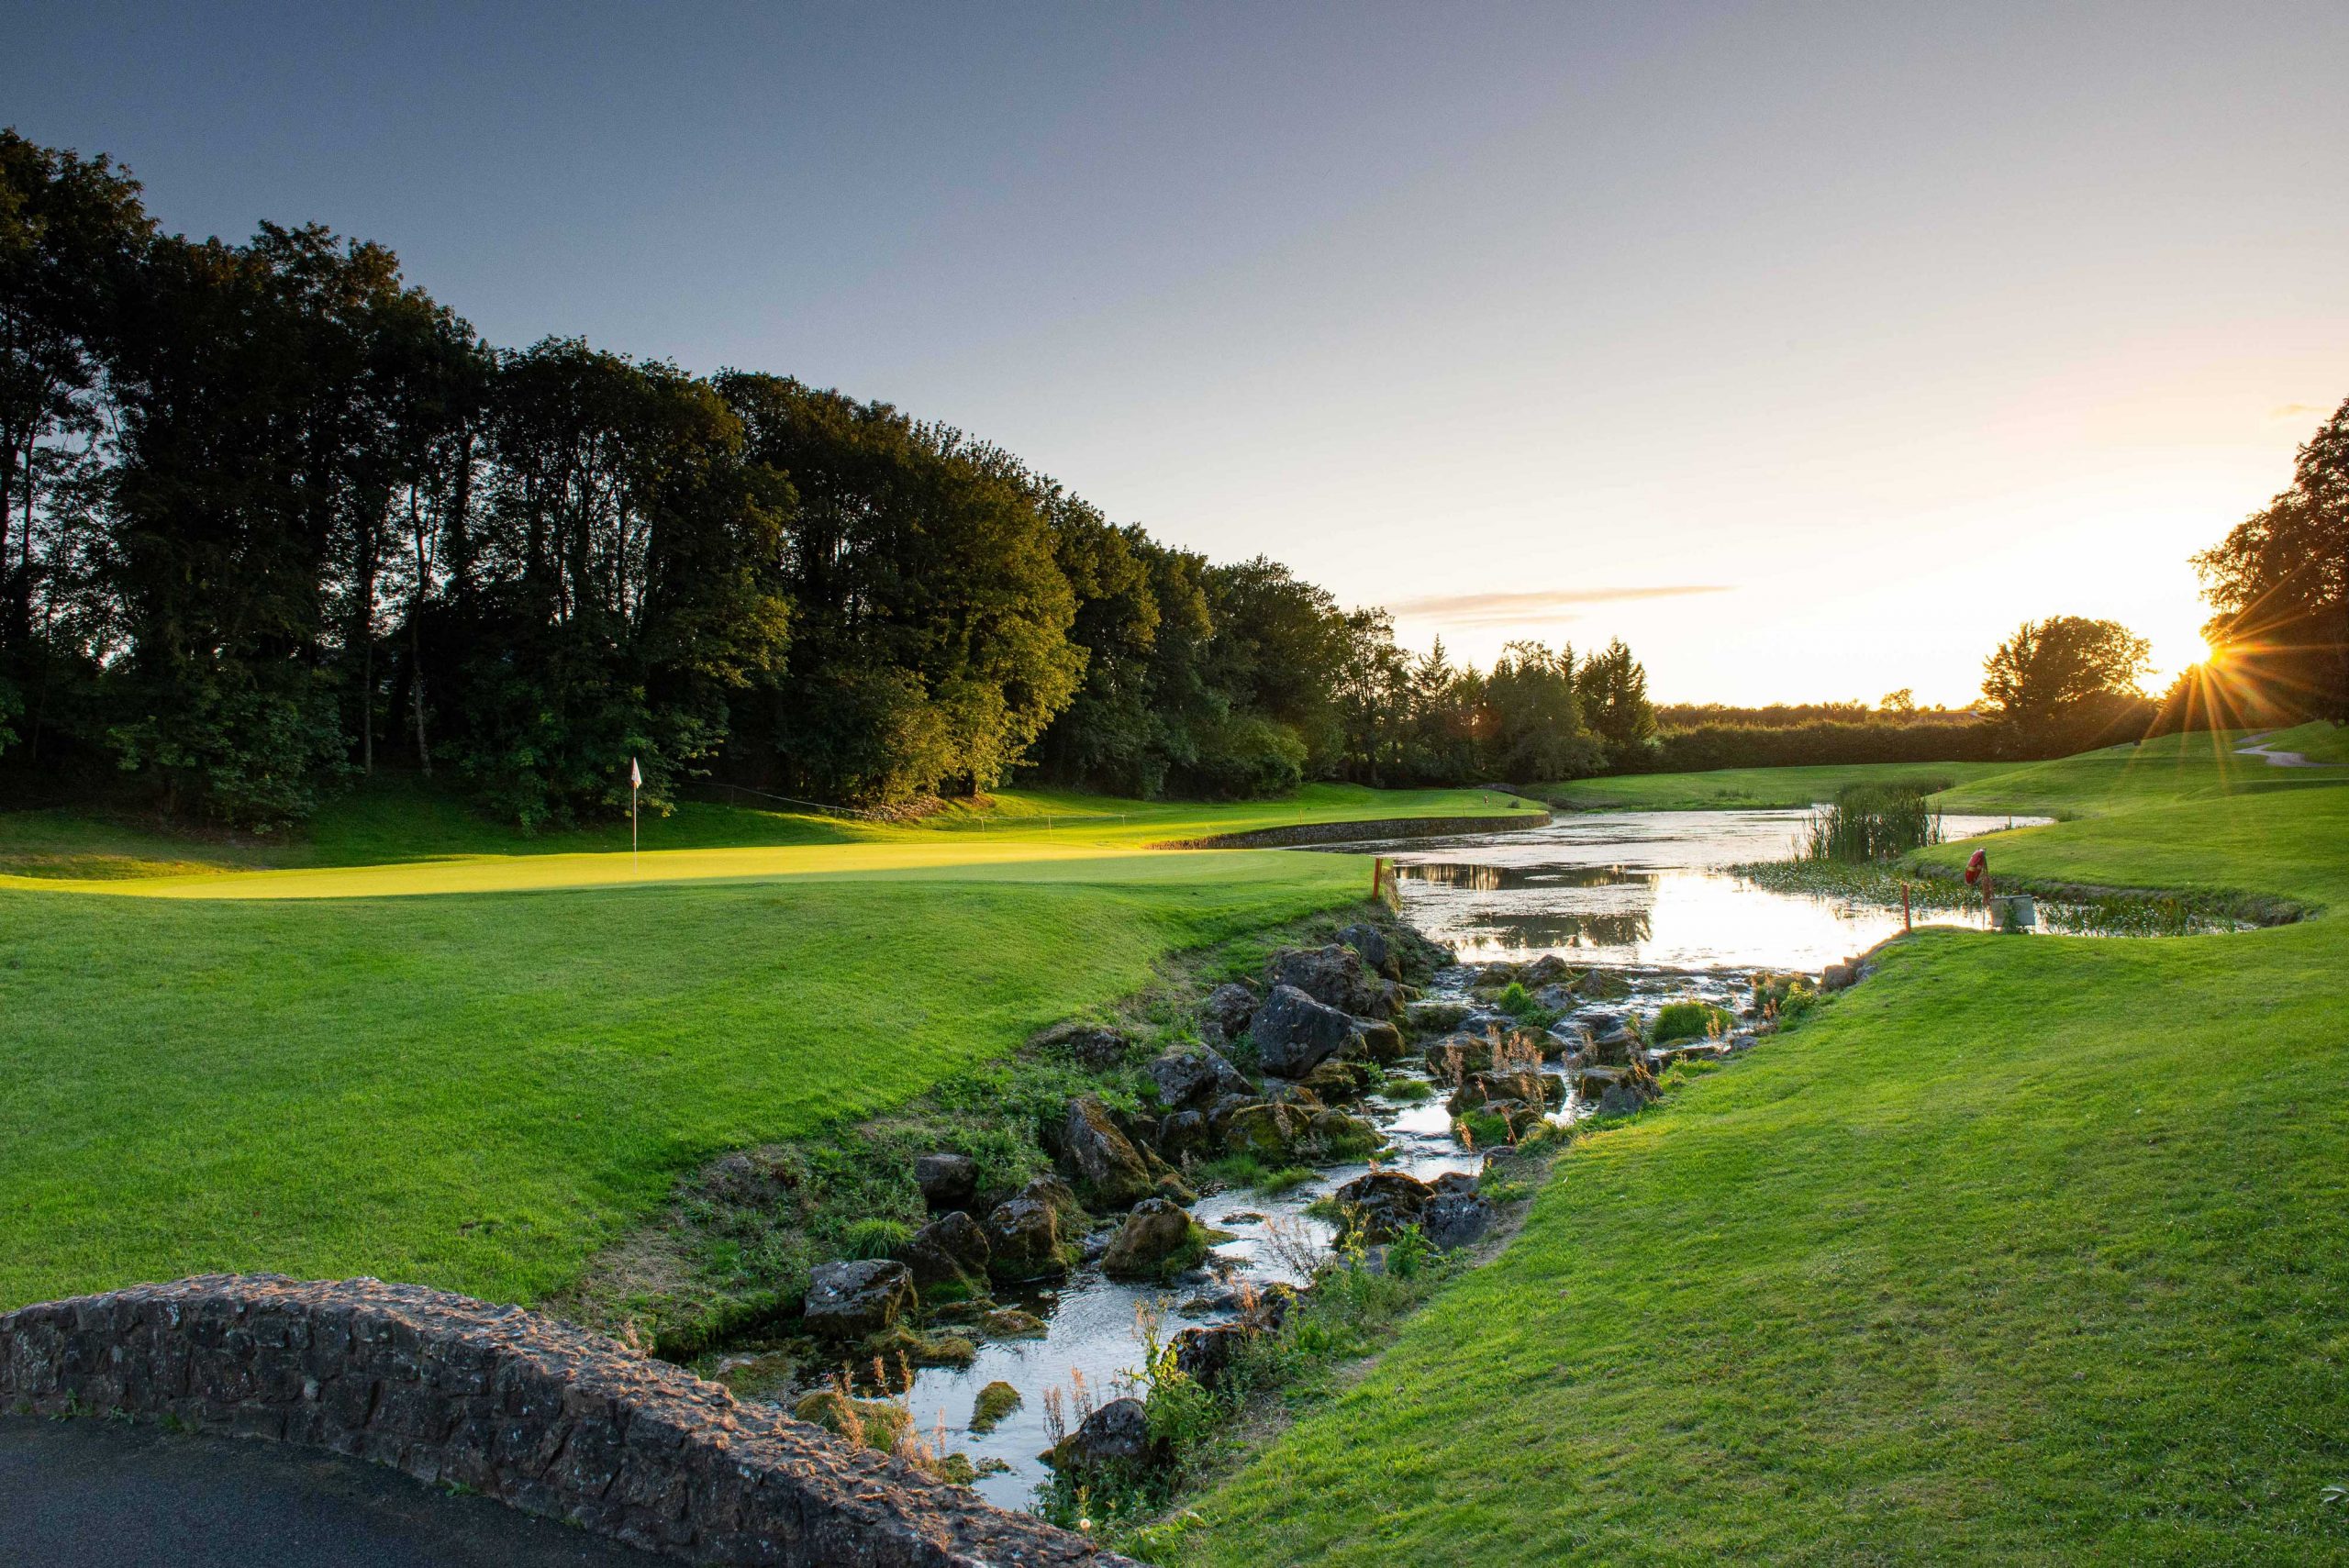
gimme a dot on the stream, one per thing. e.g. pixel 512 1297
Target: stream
pixel 1643 893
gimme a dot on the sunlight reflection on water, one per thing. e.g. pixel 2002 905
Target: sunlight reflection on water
pixel 1642 888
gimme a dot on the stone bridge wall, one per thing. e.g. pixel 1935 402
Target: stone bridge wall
pixel 535 1412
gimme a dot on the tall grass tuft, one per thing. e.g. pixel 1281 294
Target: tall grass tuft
pixel 1874 822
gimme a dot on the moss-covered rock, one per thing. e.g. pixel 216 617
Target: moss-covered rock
pixel 996 1401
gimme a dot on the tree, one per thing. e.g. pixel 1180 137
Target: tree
pixel 928 604
pixel 623 583
pixel 1536 729
pixel 2279 582
pixel 2063 683
pixel 1613 688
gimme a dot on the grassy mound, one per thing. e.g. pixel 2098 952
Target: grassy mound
pixel 2028 1250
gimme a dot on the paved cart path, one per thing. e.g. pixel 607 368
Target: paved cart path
pixel 95 1493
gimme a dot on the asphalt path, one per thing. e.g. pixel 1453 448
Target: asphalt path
pixel 97 1493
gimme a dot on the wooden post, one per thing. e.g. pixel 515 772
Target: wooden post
pixel 1905 925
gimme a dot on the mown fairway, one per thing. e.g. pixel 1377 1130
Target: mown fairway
pixel 293 1070
pixel 2027 1251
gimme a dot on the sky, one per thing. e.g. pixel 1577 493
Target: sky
pixel 1807 348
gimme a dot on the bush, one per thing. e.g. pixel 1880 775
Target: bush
pixel 1515 1001
pixel 1708 746
pixel 875 1237
pixel 1688 1020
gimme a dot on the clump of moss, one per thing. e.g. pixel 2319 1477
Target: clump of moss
pixel 1012 1324
pixel 996 1401
pixel 900 1344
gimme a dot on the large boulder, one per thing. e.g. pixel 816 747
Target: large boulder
pixel 1534 1088
pixel 1187 1080
pixel 947 1181
pixel 1154 1235
pixel 1104 1160
pixel 1377 954
pixel 1616 1090
pixel 851 1300
pixel 951 1248
pixel 1227 1010
pixel 1336 1135
pixel 1114 1437
pixel 1439 1017
pixel 1382 1042
pixel 1294 1033
pixel 1182 1136
pixel 1341 1080
pixel 1333 977
pixel 1382 1204
pixel 1456 1219
pixel 1547 970
pixel 1518 1117
pixel 1095 1046
pixel 1023 1235
pixel 1267 1131
pixel 1203 1354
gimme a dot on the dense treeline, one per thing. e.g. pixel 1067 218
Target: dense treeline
pixel 270 515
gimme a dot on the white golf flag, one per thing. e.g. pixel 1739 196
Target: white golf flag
pixel 635 775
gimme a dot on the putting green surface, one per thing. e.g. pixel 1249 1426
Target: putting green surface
pixel 2028 1250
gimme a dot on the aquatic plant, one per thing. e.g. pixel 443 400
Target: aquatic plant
pixel 1873 822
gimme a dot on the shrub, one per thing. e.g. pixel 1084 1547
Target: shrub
pixel 874 1238
pixel 1688 1020
pixel 1514 1001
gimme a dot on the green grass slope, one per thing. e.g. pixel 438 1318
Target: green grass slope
pixel 2028 1250
pixel 476 1084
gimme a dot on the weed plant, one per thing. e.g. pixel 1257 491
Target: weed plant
pixel 1874 822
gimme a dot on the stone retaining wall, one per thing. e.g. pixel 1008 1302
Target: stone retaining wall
pixel 528 1409
pixel 1347 832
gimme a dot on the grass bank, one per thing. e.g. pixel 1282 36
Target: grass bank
pixel 474 1071
pixel 1746 789
pixel 2028 1250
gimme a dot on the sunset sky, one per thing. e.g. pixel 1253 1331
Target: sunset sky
pixel 1807 348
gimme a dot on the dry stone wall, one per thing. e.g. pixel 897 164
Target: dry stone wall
pixel 538 1413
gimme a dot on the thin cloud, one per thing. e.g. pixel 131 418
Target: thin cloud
pixel 1547 603
pixel 2296 411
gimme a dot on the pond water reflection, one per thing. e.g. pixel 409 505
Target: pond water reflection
pixel 1646 888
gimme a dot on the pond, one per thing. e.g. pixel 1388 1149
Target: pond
pixel 1648 890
